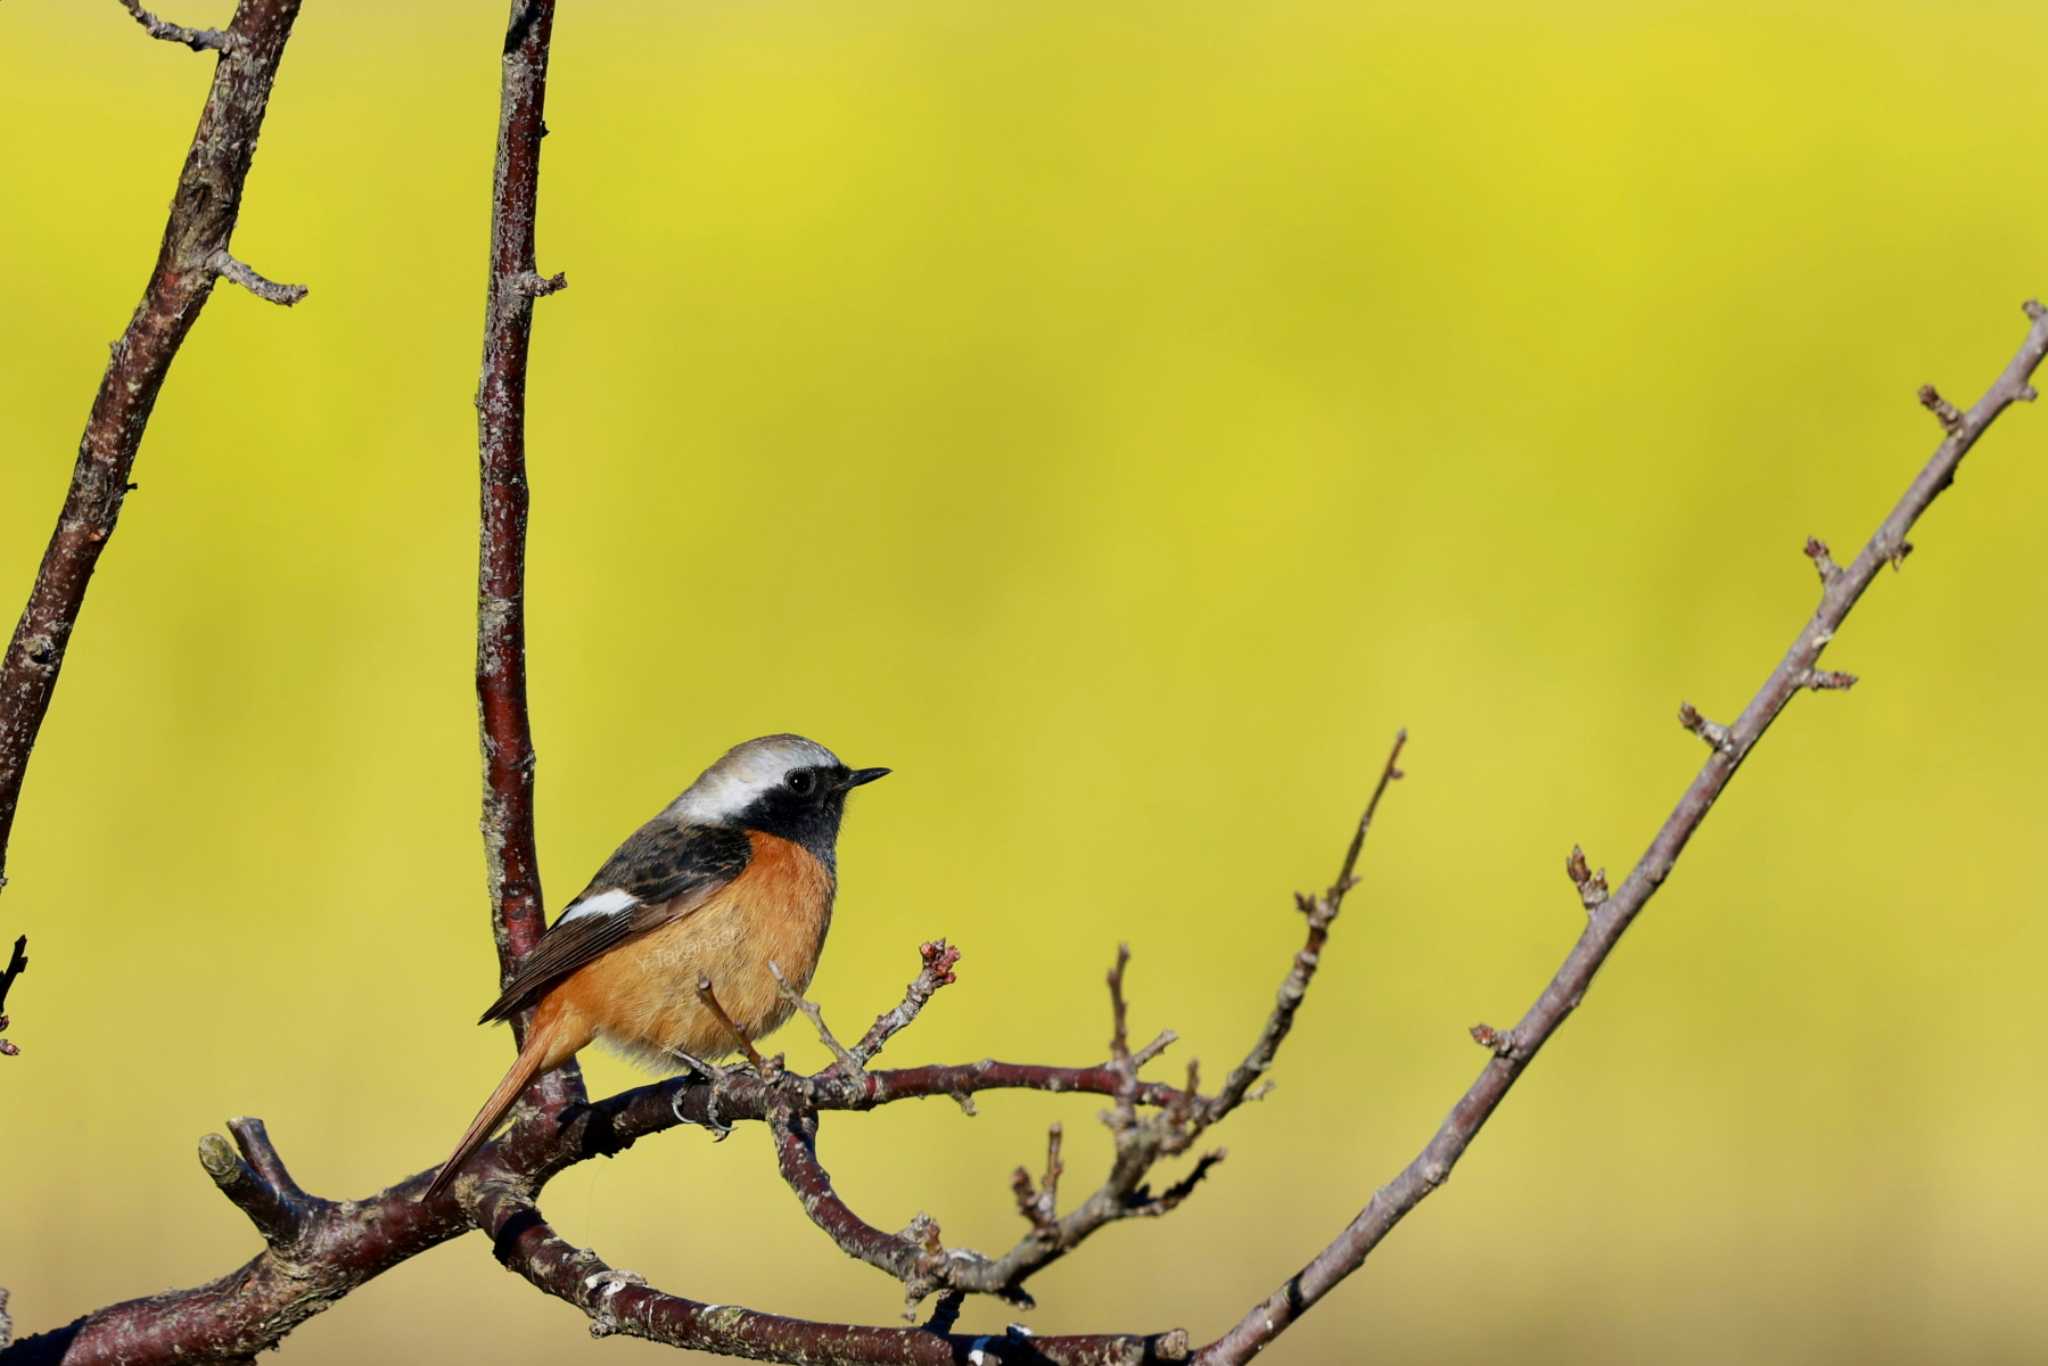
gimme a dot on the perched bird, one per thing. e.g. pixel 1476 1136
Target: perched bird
pixel 735 874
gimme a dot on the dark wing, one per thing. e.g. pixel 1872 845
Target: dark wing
pixel 663 872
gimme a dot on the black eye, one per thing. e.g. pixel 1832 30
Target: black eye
pixel 801 782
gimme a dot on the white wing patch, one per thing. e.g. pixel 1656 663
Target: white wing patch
pixel 604 903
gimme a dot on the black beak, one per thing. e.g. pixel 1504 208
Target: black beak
pixel 862 775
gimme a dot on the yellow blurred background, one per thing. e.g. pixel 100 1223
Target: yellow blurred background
pixel 1118 418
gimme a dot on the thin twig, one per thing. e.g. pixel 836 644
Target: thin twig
pixel 1321 912
pixel 198 39
pixel 709 997
pixel 844 1060
pixel 939 959
pixel 1040 1204
pixel 623 1303
pixel 1606 922
pixel 17 963
pixel 228 268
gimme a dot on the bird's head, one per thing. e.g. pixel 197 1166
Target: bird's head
pixel 780 785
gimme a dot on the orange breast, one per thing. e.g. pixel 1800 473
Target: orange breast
pixel 642 996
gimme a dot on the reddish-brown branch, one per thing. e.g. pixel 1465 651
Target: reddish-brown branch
pixel 321 1250
pixel 916 1256
pixel 1609 917
pixel 940 959
pixel 620 1302
pixel 202 219
pixel 513 866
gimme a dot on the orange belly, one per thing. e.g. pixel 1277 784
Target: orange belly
pixel 642 996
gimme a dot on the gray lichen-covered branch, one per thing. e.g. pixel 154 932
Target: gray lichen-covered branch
pixel 1609 914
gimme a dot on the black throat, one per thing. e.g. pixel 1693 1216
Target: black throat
pixel 810 819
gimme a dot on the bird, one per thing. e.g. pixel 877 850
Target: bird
pixel 732 882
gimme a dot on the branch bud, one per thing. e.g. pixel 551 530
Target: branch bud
pixel 1823 563
pixel 1946 413
pixel 1713 732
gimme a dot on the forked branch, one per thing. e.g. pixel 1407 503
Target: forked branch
pixel 316 1251
pixel 1609 915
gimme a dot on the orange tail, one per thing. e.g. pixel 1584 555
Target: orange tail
pixel 548 1045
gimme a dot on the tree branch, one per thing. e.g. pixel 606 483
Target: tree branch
pixel 17 963
pixel 621 1302
pixel 939 961
pixel 202 219
pixel 1609 916
pixel 512 863
pixel 1321 912
pixel 316 1251
pixel 505 733
pixel 258 1184
pixel 198 39
pixel 228 268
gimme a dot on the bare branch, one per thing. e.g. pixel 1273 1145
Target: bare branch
pixel 17 963
pixel 1040 1205
pixel 939 962
pixel 505 731
pixel 1604 927
pixel 1321 912
pixel 202 219
pixel 620 1302
pixel 844 1060
pixel 1165 1039
pixel 228 268
pixel 198 39
pixel 512 862
pixel 257 1182
pixel 1169 1199
pixel 709 997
